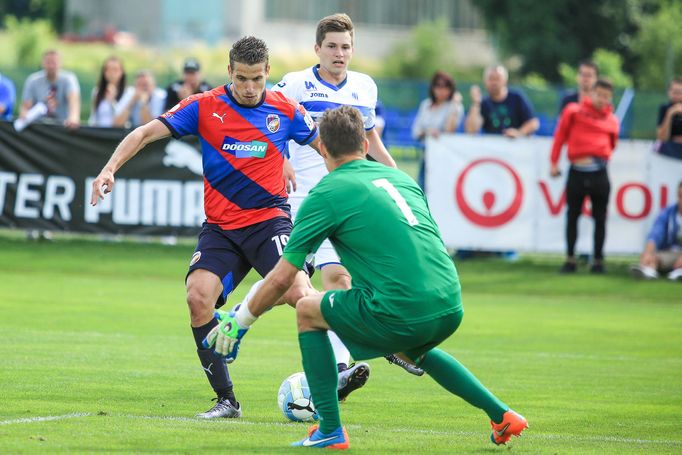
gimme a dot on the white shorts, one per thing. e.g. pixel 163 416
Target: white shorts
pixel 326 254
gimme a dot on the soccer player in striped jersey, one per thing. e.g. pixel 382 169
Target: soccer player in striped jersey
pixel 328 85
pixel 244 131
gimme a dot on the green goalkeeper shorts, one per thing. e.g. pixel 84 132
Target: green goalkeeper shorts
pixel 368 334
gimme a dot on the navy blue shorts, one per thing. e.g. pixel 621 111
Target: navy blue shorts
pixel 231 254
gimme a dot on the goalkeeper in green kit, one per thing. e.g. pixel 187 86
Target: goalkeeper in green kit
pixel 405 296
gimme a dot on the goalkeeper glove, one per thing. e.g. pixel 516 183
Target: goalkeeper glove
pixel 226 336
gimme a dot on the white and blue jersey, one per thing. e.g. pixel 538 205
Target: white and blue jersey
pixel 316 96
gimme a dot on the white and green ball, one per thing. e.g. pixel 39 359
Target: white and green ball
pixel 294 399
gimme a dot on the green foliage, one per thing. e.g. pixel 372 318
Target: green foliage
pixel 659 46
pixel 49 10
pixel 30 39
pixel 610 67
pixel 546 34
pixel 423 53
pixel 535 80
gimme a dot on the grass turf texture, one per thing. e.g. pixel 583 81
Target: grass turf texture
pixel 97 336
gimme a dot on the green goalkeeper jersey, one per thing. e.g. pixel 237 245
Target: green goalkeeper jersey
pixel 379 222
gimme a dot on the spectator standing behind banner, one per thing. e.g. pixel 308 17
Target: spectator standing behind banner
pixel 663 250
pixel 8 96
pixel 58 89
pixel 107 93
pixel 440 113
pixel 141 103
pixel 588 73
pixel 190 84
pixel 669 131
pixel 591 131
pixel 503 111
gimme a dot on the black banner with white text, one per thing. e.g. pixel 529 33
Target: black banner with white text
pixel 46 174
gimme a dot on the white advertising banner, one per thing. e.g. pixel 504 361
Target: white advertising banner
pixel 495 193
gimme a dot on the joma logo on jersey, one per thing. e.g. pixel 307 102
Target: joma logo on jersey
pixel 253 149
pixel 318 95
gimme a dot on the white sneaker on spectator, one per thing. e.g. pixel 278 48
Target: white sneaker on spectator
pixel 643 272
pixel 675 275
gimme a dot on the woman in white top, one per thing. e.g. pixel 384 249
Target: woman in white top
pixel 107 93
pixel 440 113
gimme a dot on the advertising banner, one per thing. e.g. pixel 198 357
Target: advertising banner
pixel 495 193
pixel 46 173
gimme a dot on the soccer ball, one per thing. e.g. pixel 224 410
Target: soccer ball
pixel 294 399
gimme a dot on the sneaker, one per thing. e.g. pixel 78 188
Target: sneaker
pixel 675 275
pixel 643 272
pixel 598 268
pixel 512 425
pixel 407 366
pixel 568 267
pixel 222 409
pixel 337 439
pixel 352 379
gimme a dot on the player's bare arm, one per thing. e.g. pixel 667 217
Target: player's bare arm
pixel 128 148
pixel 289 176
pixel 377 150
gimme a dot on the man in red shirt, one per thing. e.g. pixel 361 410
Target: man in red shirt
pixel 591 131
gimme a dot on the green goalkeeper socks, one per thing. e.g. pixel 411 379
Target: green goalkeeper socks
pixel 455 378
pixel 321 373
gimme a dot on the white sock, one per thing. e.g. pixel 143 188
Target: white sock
pixel 340 351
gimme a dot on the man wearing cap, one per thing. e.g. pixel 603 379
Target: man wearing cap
pixel 190 84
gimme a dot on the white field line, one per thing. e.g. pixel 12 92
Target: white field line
pixel 45 418
pixel 239 422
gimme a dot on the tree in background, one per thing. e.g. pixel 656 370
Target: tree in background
pixel 659 46
pixel 610 66
pixel 425 52
pixel 30 38
pixel 51 10
pixel 547 33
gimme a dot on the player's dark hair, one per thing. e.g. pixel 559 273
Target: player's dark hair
pixel 605 84
pixel 339 22
pixel 342 131
pixel 249 50
pixel 441 78
pixel 590 64
pixel 102 82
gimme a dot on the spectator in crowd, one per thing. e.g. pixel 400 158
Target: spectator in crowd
pixel 141 103
pixel 190 84
pixel 588 73
pixel 57 89
pixel 503 111
pixel 440 113
pixel 663 250
pixel 8 96
pixel 669 131
pixel 107 93
pixel 591 130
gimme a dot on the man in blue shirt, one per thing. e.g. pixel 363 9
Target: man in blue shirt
pixel 663 250
pixel 503 111
pixel 8 96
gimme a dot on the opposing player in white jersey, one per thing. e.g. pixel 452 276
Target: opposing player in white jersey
pixel 329 85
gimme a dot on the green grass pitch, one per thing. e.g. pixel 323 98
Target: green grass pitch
pixel 96 356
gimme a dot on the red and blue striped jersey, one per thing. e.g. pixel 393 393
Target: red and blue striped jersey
pixel 243 150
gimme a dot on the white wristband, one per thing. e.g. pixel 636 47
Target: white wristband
pixel 244 317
